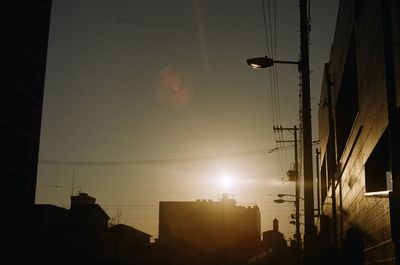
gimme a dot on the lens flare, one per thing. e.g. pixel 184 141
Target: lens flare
pixel 173 87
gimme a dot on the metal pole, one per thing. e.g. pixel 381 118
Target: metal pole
pixel 73 181
pixel 306 126
pixel 296 165
pixel 331 157
pixel 317 153
pixel 297 182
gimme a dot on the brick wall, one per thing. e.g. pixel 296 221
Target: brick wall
pixel 360 22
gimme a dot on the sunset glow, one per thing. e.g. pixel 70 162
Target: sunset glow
pixel 226 180
pixel 155 102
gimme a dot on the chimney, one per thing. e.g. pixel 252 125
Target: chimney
pixel 275 225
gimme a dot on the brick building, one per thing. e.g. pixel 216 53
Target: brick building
pixel 358 126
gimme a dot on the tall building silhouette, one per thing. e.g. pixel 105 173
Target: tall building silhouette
pixel 24 36
pixel 23 51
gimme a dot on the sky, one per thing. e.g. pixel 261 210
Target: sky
pixel 158 97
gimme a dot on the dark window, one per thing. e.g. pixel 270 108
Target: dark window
pixel 347 101
pixel 358 7
pixel 377 168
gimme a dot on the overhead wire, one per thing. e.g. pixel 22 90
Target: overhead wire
pixel 275 78
pixel 265 28
pixel 155 161
pixel 269 75
pixel 275 81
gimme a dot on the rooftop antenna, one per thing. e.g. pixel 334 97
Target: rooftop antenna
pixel 73 181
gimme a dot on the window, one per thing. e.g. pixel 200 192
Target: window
pixel 347 101
pixel 378 177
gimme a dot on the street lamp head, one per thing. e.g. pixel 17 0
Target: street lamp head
pixel 260 62
pixel 279 201
pixel 282 201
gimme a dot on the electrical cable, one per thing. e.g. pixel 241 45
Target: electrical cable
pixel 155 161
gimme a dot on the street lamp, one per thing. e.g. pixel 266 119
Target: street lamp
pixel 264 62
pixel 297 215
pixel 281 195
pixel 282 201
pixel 304 68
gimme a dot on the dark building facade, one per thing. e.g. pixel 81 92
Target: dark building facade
pixel 23 37
pixel 273 239
pixel 24 30
pixel 274 249
pixel 358 126
pixel 210 226
pixel 127 245
pixel 52 239
pixel 81 235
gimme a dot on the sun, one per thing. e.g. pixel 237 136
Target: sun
pixel 226 180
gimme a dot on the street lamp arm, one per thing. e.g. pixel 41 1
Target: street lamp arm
pixel 286 62
pixel 281 195
pixel 264 62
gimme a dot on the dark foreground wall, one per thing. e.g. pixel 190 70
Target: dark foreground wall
pixel 355 146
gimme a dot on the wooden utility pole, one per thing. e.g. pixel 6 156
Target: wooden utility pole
pixel 317 154
pixel 306 126
pixel 297 181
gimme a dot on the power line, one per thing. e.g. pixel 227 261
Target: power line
pixel 265 28
pixel 274 90
pixel 154 161
pixel 148 191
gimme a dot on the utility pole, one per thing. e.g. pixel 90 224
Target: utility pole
pixel 317 154
pixel 331 157
pixel 304 68
pixel 297 182
pixel 306 127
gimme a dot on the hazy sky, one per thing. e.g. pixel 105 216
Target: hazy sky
pixel 132 80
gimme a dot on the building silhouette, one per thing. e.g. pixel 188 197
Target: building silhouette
pixel 221 228
pixel 358 126
pixel 273 240
pixel 128 245
pixel 23 37
pixel 274 249
pixel 82 235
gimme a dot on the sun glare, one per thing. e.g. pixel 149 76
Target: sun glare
pixel 226 180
